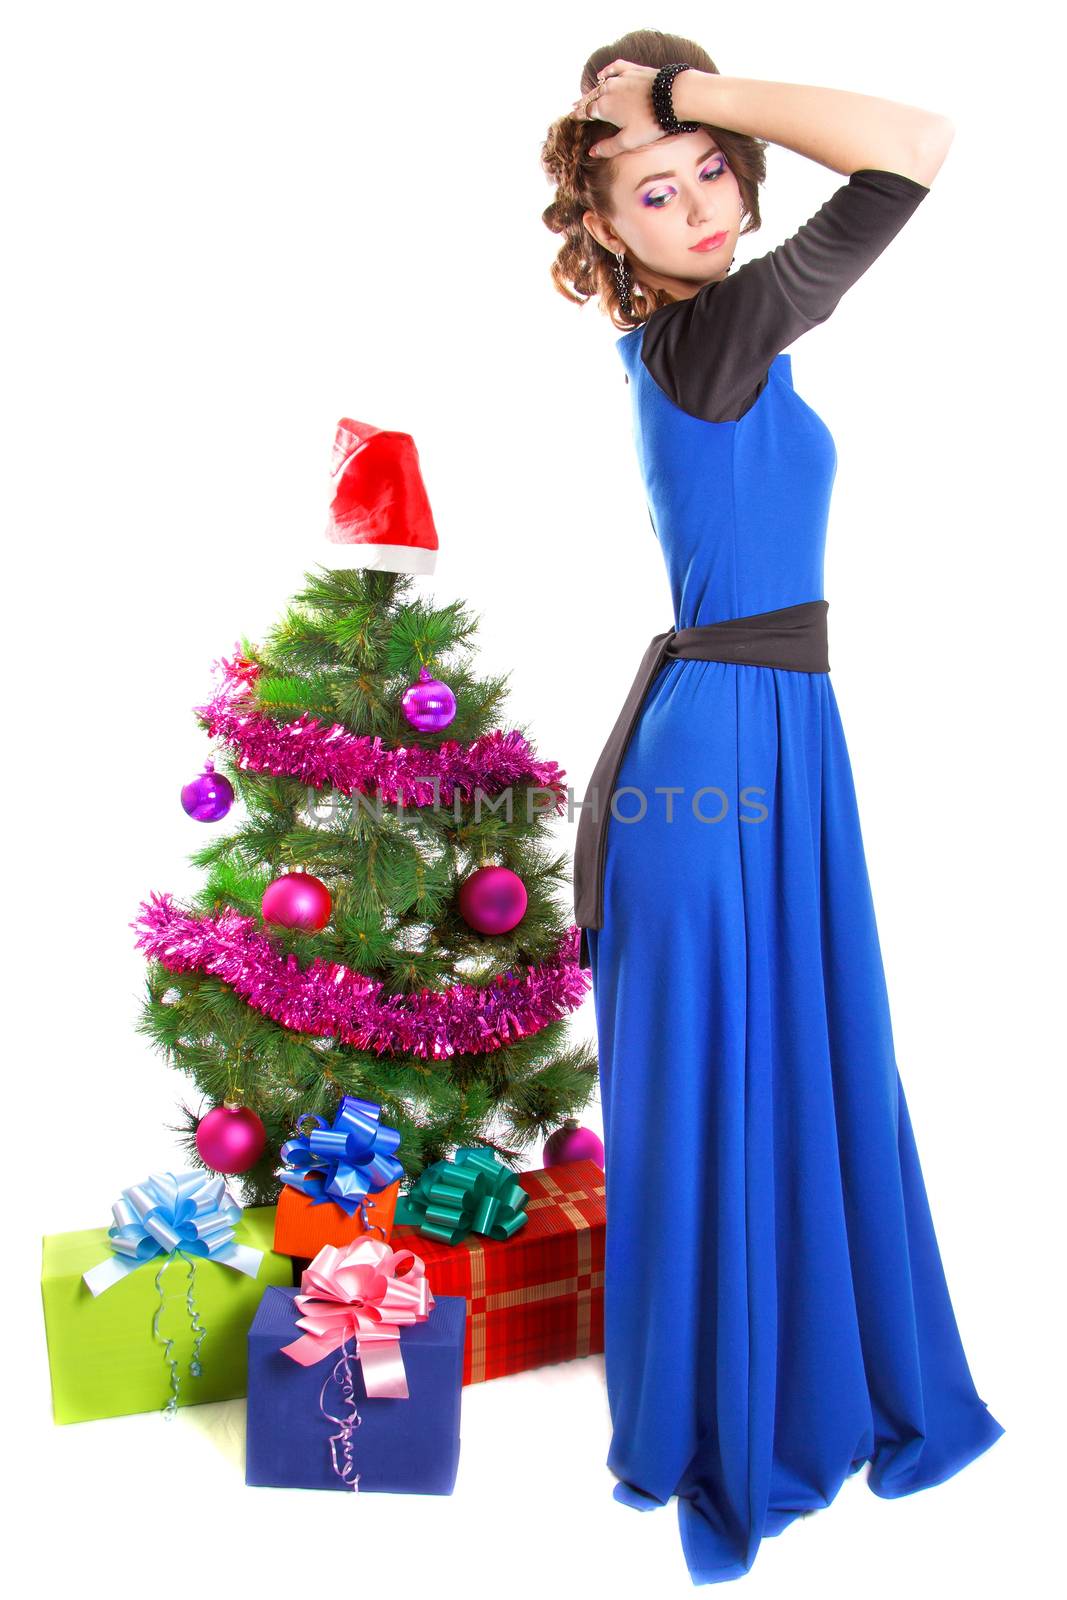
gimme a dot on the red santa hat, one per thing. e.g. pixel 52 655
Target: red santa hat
pixel 380 514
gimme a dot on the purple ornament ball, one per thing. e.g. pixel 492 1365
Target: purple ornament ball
pixel 493 899
pixel 428 704
pixel 572 1143
pixel 297 900
pixel 209 797
pixel 231 1138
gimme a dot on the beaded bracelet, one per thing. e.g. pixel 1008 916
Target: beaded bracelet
pixel 661 99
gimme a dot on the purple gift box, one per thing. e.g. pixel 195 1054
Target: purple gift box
pixel 401 1446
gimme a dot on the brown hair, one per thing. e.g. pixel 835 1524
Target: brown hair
pixel 583 269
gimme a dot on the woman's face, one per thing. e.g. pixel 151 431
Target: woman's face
pixel 668 197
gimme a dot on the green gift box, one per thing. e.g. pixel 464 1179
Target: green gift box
pixel 104 1357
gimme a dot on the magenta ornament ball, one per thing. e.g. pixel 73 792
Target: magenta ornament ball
pixel 208 797
pixel 231 1138
pixel 572 1143
pixel 493 899
pixel 297 900
pixel 428 704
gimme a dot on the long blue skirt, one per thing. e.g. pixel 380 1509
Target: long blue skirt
pixel 776 1310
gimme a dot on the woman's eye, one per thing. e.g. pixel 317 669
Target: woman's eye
pixel 656 200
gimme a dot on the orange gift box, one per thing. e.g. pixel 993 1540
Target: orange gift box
pixel 301 1227
pixel 537 1297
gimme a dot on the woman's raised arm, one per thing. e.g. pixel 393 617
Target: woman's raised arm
pixel 837 127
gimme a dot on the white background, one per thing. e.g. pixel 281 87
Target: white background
pixel 228 226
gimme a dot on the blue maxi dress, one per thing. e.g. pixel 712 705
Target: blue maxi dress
pixel 776 1311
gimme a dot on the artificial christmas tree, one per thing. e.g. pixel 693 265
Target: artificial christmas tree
pixel 457 1033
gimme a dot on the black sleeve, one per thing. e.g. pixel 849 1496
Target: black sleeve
pixel 711 353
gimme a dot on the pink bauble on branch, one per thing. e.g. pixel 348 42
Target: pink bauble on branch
pixel 572 1143
pixel 231 1138
pixel 493 899
pixel 297 900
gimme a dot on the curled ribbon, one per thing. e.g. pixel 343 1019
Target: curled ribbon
pixel 347 1160
pixel 354 1292
pixel 475 1194
pixel 342 1453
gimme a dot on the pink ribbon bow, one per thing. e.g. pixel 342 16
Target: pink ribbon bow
pixel 354 1291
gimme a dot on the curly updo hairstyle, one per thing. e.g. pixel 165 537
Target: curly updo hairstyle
pixel 583 269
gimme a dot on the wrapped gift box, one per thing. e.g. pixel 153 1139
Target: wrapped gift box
pixel 402 1446
pixel 537 1297
pixel 302 1225
pixel 103 1356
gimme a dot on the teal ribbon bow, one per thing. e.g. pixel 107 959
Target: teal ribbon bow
pixel 474 1194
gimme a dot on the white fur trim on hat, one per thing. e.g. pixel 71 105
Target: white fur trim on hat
pixel 382 557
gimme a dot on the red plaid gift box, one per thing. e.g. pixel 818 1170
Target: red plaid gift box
pixel 537 1297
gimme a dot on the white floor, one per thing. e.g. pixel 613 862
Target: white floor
pixel 160 1508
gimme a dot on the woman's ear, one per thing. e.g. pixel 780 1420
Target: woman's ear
pixel 602 233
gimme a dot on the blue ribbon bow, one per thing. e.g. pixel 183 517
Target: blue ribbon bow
pixel 345 1161
pixel 189 1212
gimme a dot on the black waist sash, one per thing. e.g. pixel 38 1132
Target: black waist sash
pixel 792 638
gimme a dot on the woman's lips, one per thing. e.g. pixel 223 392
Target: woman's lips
pixel 714 241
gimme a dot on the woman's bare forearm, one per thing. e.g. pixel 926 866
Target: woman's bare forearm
pixel 837 127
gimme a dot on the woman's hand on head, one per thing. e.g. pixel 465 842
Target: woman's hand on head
pixel 625 100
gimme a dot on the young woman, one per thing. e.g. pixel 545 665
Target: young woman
pixel 776 1312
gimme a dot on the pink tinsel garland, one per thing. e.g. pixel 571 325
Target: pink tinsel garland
pixel 328 998
pixel 321 754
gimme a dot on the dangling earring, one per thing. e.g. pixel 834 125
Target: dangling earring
pixel 741 208
pixel 623 283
